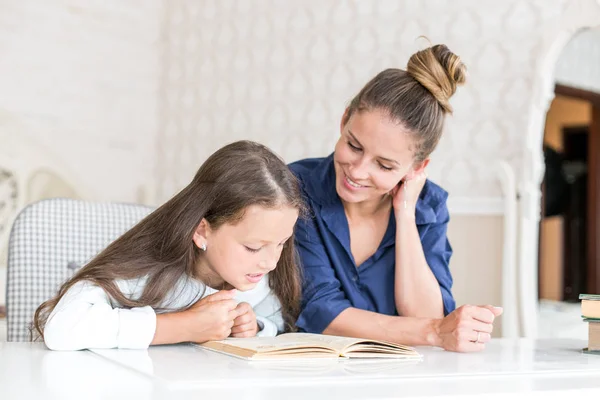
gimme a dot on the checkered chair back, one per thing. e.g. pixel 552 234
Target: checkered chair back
pixel 49 241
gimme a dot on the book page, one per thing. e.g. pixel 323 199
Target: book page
pixel 288 341
pixel 346 345
pixel 298 343
pixel 339 343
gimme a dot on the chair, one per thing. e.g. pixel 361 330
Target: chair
pixel 48 242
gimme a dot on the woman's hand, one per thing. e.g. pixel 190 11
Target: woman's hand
pixel 467 329
pixel 212 317
pixel 406 194
pixel 245 324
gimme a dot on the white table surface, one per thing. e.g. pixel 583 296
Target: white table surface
pixel 542 369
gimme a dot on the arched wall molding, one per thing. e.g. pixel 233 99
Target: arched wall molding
pixel 579 14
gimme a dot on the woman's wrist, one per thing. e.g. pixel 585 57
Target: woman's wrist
pixel 404 215
pixel 432 333
pixel 413 331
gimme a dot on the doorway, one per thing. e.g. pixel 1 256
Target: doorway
pixel 569 245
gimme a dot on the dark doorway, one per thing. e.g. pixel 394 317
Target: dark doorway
pixel 575 170
pixel 571 199
pixel 591 277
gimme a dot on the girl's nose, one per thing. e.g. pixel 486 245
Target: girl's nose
pixel 270 262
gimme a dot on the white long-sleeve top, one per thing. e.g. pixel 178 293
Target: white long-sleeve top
pixel 85 317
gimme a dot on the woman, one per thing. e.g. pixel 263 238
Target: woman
pixel 374 252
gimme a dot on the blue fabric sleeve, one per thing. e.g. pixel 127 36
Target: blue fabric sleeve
pixel 438 251
pixel 322 296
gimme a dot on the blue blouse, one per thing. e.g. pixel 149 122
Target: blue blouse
pixel 332 280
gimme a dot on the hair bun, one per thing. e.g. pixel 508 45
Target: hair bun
pixel 440 71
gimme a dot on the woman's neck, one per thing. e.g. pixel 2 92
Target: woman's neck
pixel 368 208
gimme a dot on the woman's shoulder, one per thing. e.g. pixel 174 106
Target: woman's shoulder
pixel 305 167
pixel 317 179
pixel 433 193
pixel 432 203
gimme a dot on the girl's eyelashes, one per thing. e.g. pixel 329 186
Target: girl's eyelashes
pixel 253 250
pixel 383 167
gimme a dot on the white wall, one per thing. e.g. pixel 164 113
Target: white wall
pixel 282 72
pixel 81 77
pixel 579 63
pixel 141 92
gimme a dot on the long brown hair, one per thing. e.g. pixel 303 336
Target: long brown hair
pixel 160 247
pixel 417 98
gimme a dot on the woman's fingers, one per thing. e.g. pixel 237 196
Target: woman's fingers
pixel 482 314
pixel 470 347
pixel 480 337
pixel 220 296
pixel 481 327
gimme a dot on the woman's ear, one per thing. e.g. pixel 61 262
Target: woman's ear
pixel 201 234
pixel 417 169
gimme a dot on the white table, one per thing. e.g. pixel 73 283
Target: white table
pixel 540 369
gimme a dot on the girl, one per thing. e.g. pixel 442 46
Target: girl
pixel 216 260
pixel 375 253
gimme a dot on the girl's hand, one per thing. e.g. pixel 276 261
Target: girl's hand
pixel 406 194
pixel 245 324
pixel 467 329
pixel 212 317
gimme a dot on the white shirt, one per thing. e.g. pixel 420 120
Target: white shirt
pixel 85 317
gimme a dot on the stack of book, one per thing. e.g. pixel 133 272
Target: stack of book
pixel 590 311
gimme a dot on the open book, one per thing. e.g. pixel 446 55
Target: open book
pixel 290 346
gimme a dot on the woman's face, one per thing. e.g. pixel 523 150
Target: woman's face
pixel 239 255
pixel 371 157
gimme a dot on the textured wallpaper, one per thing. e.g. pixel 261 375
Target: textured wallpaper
pixel 579 63
pixel 78 84
pixel 282 72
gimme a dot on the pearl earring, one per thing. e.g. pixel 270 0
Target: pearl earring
pixel 203 247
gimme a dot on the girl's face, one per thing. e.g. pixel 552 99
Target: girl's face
pixel 371 157
pixel 241 254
